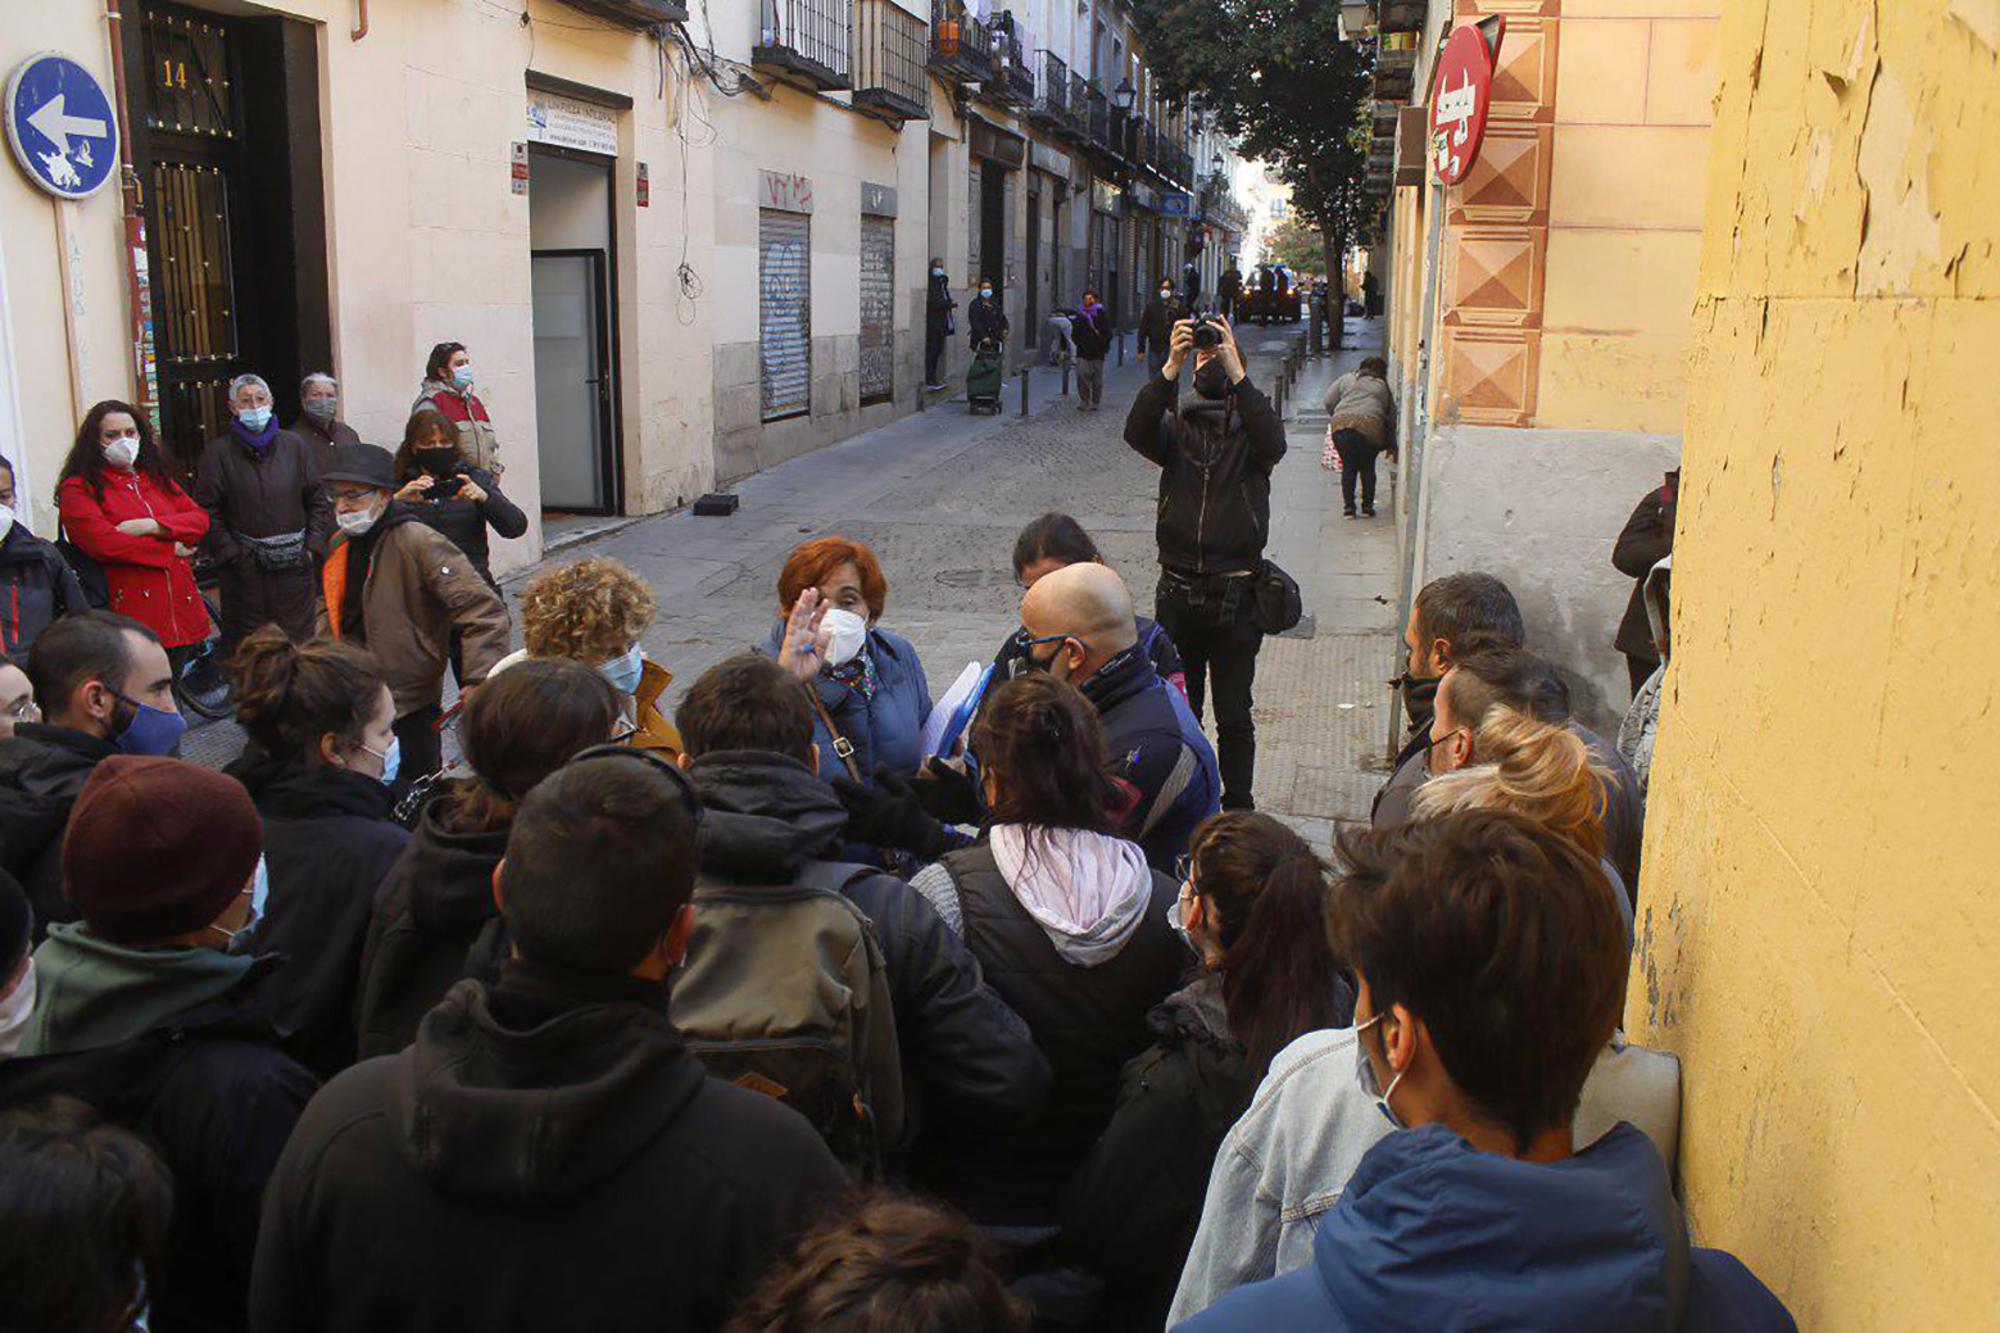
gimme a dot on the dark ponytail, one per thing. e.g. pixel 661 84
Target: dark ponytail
pixel 1269 894
pixel 1041 741
pixel 288 695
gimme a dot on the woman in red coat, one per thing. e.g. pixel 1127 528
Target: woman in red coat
pixel 120 507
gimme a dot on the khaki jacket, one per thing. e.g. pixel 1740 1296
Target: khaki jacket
pixel 1362 403
pixel 419 586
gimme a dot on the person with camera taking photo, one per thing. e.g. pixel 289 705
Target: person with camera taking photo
pixel 1215 453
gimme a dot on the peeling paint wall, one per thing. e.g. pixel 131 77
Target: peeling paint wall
pixel 1820 935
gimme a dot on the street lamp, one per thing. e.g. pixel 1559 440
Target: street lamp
pixel 1216 164
pixel 1122 96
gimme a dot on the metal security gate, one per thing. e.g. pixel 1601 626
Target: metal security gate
pixel 974 259
pixel 878 309
pixel 1096 258
pixel 784 355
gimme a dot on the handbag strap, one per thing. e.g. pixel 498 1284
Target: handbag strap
pixel 841 745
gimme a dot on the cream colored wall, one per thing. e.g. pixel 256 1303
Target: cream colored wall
pixel 39 282
pixel 1820 936
pixel 1634 84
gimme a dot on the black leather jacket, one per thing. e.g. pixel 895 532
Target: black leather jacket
pixel 1215 461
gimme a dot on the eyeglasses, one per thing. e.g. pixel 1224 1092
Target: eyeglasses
pixel 624 734
pixel 23 709
pixel 1184 868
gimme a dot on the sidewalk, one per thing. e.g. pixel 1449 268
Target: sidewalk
pixel 1322 700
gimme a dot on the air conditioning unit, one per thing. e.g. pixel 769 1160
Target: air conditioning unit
pixel 634 13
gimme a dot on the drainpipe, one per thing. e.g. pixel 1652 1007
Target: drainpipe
pixel 361 21
pixel 138 282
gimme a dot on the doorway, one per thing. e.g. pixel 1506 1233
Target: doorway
pixel 1033 317
pixel 993 226
pixel 572 279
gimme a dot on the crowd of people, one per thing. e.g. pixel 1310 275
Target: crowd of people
pixel 820 1004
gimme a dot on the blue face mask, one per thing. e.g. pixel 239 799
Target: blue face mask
pixel 623 672
pixel 462 377
pixel 152 731
pixel 392 759
pixel 254 419
pixel 1365 1073
pixel 260 891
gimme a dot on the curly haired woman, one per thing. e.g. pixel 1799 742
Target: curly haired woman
pixel 596 611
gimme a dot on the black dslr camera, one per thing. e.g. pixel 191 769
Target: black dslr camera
pixel 1207 334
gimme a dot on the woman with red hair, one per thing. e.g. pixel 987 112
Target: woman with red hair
pixel 871 697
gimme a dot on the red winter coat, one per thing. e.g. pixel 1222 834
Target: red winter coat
pixel 148 581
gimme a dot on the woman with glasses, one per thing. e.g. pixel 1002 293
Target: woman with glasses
pixel 434 922
pixel 1070 926
pixel 1252 908
pixel 322 758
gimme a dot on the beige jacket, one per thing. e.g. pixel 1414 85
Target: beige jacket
pixel 419 586
pixel 1363 403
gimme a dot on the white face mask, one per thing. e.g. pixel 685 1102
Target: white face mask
pixel 850 633
pixel 356 522
pixel 15 1008
pixel 122 452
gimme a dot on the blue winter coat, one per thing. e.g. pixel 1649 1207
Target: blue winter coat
pixel 1434 1234
pixel 887 729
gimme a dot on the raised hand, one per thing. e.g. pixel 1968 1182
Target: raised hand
pixel 802 649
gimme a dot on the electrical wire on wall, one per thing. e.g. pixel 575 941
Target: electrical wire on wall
pixel 702 71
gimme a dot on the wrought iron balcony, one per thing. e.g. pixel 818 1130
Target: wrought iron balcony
pixel 1051 104
pixel 635 13
pixel 1079 108
pixel 806 39
pixel 961 45
pixel 890 48
pixel 1014 80
pixel 1100 118
pixel 1395 71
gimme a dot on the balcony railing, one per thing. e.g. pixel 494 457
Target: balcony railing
pixel 1051 104
pixel 1014 81
pixel 1395 71
pixel 961 45
pixel 890 48
pixel 807 39
pixel 1100 118
pixel 1079 108
pixel 1402 15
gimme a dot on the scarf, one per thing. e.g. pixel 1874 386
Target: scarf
pixel 258 441
pixel 857 675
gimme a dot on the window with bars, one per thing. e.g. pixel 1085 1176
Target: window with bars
pixel 891 49
pixel 188 84
pixel 807 38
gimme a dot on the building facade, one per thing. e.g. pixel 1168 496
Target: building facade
pixel 681 242
pixel 1540 310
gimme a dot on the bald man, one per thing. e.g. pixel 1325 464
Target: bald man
pixel 1078 625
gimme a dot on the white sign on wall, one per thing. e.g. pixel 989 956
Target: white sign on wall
pixel 569 123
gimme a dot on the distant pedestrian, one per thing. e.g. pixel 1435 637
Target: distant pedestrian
pixel 1190 285
pixel 36 583
pixel 1362 417
pixel 987 318
pixel 401 589
pixel 938 324
pixel 269 520
pixel 1648 538
pixel 1371 294
pixel 121 508
pixel 1156 326
pixel 1229 290
pixel 319 422
pixel 1091 332
pixel 549 1154
pixel 447 387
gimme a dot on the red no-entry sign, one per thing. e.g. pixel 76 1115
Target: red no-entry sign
pixel 1464 92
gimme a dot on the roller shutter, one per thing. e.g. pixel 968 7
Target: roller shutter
pixel 878 308
pixel 784 356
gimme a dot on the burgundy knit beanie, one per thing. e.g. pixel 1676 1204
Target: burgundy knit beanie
pixel 158 847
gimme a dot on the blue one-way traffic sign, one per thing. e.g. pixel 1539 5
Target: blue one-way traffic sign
pixel 62 126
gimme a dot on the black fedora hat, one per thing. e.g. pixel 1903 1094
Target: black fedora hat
pixel 363 465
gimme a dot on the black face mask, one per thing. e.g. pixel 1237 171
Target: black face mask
pixel 1419 698
pixel 438 462
pixel 1211 380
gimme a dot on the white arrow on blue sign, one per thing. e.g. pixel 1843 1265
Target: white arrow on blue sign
pixel 62 126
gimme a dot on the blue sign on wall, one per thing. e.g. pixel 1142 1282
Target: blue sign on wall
pixel 61 125
pixel 1175 204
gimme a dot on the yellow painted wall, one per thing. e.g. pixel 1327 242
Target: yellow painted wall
pixel 1634 83
pixel 1820 928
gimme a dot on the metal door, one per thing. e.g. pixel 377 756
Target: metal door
pixel 572 380
pixel 784 344
pixel 878 308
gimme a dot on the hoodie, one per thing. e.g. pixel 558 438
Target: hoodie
pixel 546 1155
pixel 1088 1017
pixel 433 923
pixel 769 818
pixel 1432 1233
pixel 91 992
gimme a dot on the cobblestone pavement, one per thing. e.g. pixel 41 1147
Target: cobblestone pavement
pixel 940 496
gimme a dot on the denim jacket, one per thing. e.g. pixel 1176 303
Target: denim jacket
pixel 1283 1166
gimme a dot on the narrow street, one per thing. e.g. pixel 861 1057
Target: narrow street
pixel 940 496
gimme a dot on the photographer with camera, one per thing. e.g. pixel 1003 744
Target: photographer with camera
pixel 1215 453
pixel 450 492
